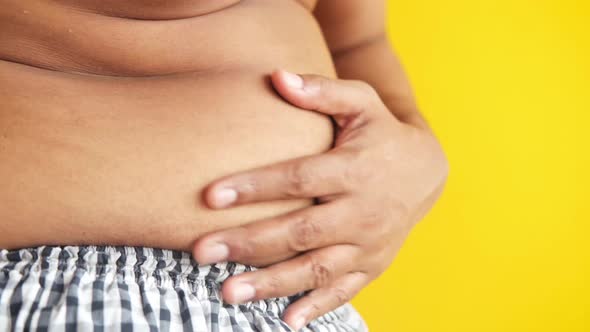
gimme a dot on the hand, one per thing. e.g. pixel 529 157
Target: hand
pixel 378 181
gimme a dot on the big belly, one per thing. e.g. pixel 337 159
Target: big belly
pixel 123 161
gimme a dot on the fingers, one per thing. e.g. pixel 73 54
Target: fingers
pixel 276 239
pixel 324 300
pixel 350 103
pixel 309 271
pixel 305 177
pixel 338 98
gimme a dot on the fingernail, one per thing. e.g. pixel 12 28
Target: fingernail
pixel 215 253
pixel 244 293
pixel 225 197
pixel 299 324
pixel 292 80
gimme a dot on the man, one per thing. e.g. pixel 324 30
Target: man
pixel 117 117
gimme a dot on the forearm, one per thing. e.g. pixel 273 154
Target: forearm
pixel 375 62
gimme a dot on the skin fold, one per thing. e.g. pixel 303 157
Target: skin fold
pixel 169 123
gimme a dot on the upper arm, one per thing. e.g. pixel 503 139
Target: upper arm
pixel 349 23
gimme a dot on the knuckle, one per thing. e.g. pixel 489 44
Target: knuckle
pixel 324 85
pixel 298 180
pixel 317 85
pixel 244 249
pixel 305 231
pixel 274 285
pixel 315 310
pixel 248 186
pixel 340 296
pixel 321 273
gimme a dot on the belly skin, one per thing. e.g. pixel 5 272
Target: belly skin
pixel 119 154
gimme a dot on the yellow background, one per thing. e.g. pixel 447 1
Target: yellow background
pixel 506 85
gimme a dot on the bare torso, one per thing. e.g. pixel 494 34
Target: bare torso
pixel 114 115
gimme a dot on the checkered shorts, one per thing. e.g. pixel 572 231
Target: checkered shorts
pixel 134 289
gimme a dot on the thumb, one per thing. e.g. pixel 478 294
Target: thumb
pixel 337 98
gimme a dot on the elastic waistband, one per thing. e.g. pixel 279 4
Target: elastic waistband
pixel 127 262
pixel 118 287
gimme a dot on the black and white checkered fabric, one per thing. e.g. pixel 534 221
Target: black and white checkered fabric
pixel 134 289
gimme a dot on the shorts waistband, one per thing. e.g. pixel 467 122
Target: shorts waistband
pixel 128 262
